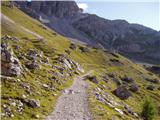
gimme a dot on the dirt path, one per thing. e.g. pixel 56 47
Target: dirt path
pixel 73 104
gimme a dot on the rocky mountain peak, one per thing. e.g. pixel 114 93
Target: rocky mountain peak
pixel 59 9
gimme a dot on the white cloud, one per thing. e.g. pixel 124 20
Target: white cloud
pixel 84 6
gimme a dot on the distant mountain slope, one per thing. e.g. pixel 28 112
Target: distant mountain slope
pixel 132 40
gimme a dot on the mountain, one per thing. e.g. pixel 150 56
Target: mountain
pixel 135 41
pixel 45 75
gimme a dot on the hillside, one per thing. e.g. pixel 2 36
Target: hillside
pixel 142 43
pixel 38 64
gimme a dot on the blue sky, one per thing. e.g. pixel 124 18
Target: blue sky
pixel 145 12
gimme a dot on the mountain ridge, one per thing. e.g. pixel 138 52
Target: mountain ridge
pixel 117 35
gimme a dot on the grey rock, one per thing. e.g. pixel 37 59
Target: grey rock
pixel 119 111
pixel 111 75
pixel 122 92
pixel 156 81
pixel 84 49
pixel 134 88
pixel 127 79
pixel 32 65
pixel 32 54
pixel 105 78
pixel 93 79
pixel 117 81
pixel 150 87
pixel 33 103
pixel 73 46
pixel 10 65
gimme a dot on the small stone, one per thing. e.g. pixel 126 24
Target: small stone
pixel 20 103
pixel 71 92
pixel 54 94
pixel 37 116
pixel 11 115
pixel 13 104
pixel 4 106
pixel 45 86
pixel 118 110
pixel 127 79
pixel 24 96
pixel 2 114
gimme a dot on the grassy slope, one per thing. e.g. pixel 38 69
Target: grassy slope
pixel 96 60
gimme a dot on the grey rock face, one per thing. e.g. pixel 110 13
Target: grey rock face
pixel 10 65
pixel 58 8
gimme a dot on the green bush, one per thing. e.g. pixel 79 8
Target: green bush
pixel 149 109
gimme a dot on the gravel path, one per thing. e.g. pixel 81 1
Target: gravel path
pixel 73 104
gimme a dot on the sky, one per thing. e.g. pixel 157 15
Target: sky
pixel 145 12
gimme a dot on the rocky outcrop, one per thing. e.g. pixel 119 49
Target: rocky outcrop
pixel 10 65
pixel 33 103
pixel 59 9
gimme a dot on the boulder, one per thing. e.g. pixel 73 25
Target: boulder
pixel 32 65
pixel 150 87
pixel 134 88
pixel 93 79
pixel 105 78
pixel 15 70
pixel 117 81
pixel 127 79
pixel 6 55
pixel 73 46
pixel 10 66
pixel 111 75
pixel 32 54
pixel 122 92
pixel 84 49
pixel 156 81
pixel 33 103
pixel 68 52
